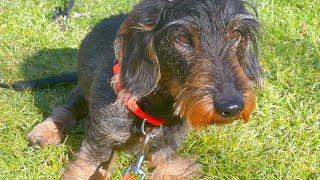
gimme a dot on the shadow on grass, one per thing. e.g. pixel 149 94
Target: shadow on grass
pixel 49 62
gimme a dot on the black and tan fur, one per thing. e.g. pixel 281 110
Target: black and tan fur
pixel 193 63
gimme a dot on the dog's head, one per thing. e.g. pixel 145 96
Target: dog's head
pixel 203 52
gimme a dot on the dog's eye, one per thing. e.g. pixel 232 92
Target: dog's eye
pixel 184 39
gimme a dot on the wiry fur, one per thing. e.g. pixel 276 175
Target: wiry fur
pixel 181 60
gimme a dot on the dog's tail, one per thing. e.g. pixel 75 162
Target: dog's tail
pixel 41 83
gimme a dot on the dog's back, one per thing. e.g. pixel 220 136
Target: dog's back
pixel 96 53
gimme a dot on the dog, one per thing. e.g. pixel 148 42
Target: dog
pixel 192 63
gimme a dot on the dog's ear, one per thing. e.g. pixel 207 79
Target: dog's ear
pixel 249 61
pixel 134 47
pixel 253 68
pixel 248 48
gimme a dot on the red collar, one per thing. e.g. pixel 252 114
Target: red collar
pixel 135 109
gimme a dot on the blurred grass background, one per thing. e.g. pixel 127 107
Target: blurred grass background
pixel 282 140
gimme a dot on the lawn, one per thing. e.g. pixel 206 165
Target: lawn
pixel 282 140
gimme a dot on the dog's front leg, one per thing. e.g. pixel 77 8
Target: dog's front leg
pixel 166 163
pixel 173 168
pixel 108 127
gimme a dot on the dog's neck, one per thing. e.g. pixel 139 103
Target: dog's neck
pixel 160 103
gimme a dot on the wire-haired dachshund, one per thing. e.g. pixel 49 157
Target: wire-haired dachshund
pixel 192 63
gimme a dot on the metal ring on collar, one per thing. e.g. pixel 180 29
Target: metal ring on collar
pixel 144 132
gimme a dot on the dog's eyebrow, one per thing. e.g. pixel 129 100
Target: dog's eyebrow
pixel 183 22
pixel 245 16
pixel 240 17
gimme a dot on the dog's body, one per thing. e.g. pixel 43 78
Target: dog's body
pixel 187 61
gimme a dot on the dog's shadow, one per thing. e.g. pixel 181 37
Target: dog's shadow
pixel 49 62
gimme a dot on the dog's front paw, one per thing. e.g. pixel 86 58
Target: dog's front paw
pixel 80 169
pixel 45 133
pixel 177 169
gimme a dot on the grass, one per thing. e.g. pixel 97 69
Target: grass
pixel 282 140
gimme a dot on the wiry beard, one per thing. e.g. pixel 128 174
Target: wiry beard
pixel 195 102
pixel 200 112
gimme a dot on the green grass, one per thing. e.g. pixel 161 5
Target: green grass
pixel 282 140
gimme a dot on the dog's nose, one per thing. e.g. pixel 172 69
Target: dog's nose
pixel 230 107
